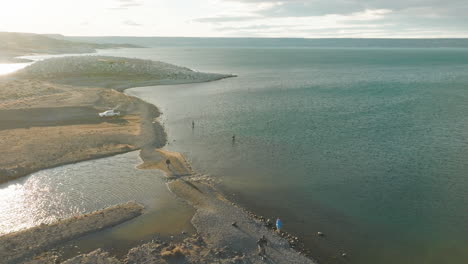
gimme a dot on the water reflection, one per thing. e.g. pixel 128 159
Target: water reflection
pixel 11 67
pixel 65 191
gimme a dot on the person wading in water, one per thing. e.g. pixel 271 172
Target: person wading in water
pixel 261 244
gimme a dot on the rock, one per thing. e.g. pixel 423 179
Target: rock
pixel 97 256
pixel 344 255
pixel 234 224
pixel 320 234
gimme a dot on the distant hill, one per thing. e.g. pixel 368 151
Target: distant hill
pixel 20 44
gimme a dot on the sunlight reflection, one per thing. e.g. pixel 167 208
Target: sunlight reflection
pixel 11 67
pixel 65 191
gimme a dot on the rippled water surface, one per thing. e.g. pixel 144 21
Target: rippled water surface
pixel 369 146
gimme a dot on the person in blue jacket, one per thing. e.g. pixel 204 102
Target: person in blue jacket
pixel 279 225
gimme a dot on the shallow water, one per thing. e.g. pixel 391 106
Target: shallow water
pixel 61 192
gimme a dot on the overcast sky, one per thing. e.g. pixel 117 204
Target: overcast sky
pixel 238 18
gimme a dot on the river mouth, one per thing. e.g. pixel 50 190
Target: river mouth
pixel 83 187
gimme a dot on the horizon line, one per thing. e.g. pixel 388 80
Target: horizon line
pixel 224 37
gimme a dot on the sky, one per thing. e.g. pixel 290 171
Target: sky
pixel 239 18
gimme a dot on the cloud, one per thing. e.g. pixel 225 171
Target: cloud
pixel 219 19
pixel 131 23
pixel 297 8
pixel 126 4
pixel 342 18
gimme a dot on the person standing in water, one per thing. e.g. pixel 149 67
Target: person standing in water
pixel 193 124
pixel 233 138
pixel 279 225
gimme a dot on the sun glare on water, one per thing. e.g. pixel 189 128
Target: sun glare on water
pixel 10 68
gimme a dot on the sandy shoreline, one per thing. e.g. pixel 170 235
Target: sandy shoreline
pixel 35 142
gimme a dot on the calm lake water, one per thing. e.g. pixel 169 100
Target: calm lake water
pixel 367 143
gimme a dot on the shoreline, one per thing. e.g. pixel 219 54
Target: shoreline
pixel 215 240
pixel 36 136
pixel 64 83
pixel 214 213
pixel 17 246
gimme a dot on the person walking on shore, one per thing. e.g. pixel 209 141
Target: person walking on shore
pixel 261 244
pixel 279 225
